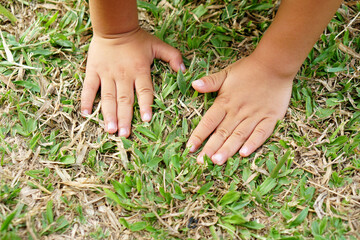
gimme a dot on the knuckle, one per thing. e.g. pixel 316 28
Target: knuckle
pixel 196 138
pixel 108 96
pixel 177 53
pixel 239 134
pixel 252 144
pixel 211 79
pixel 145 91
pixel 239 109
pixel 120 73
pixel 222 132
pixel 141 67
pixel 124 99
pixel 223 99
pixel 208 123
pixel 90 86
pixel 261 132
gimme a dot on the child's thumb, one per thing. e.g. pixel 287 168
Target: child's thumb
pixel 211 83
pixel 169 54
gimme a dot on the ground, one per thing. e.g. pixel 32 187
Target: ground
pixel 63 177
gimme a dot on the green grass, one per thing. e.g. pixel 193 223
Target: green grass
pixel 62 176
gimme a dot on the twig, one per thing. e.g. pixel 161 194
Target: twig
pixel 351 22
pixel 172 230
pixel 339 194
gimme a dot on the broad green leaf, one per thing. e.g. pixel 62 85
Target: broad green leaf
pixel 167 90
pixel 148 6
pixel 324 112
pixel 67 159
pixel 146 132
pixel 331 102
pixel 119 188
pixel 42 52
pixel 229 197
pixel 300 218
pixel 33 141
pixel 52 19
pixel 7 14
pixel 32 86
pixel 200 11
pixel 7 221
pixel 22 120
pixel 259 7
pixel 335 69
pixel 236 219
pixel 339 141
pixel 181 82
pixel 124 222
pixel 231 166
pixel 154 162
pixel 138 226
pixel 308 106
pixel 267 185
pixel 49 212
pixel 286 213
pixel 61 223
pixel 323 225
pixel 31 125
pixel 138 184
pixel 112 196
pixel 205 188
pixel 253 225
pixel 315 228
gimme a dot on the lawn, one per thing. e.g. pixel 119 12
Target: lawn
pixel 63 177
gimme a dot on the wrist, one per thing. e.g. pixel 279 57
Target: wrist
pixel 112 17
pixel 277 60
pixel 117 35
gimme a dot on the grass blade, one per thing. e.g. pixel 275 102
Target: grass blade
pixel 7 14
pixel 300 218
pixel 278 166
pixel 229 197
pixel 7 221
pixel 49 212
pixel 205 188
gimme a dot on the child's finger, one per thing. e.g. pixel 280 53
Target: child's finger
pixel 91 86
pixel 125 101
pixel 169 54
pixel 235 141
pixel 144 90
pixel 210 83
pixel 219 136
pixel 108 104
pixel 261 132
pixel 208 123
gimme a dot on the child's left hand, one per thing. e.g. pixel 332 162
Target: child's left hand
pixel 251 98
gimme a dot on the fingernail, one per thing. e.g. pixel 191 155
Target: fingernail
pixel 146 117
pixel 111 126
pixel 191 146
pixel 199 83
pixel 182 67
pixel 86 113
pixel 244 151
pixel 123 132
pixel 200 158
pixel 218 158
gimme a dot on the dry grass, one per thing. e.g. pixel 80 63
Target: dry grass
pixel 77 189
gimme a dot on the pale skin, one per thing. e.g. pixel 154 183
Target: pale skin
pixel 253 93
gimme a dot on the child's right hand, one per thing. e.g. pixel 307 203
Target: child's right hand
pixel 119 63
